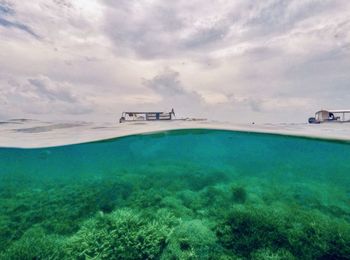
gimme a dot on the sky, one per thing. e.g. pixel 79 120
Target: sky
pixel 271 61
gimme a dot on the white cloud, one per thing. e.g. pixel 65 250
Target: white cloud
pixel 242 59
pixel 41 95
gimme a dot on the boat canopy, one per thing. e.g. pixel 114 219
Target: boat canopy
pixel 146 116
pixel 339 111
pixel 331 115
pixel 322 115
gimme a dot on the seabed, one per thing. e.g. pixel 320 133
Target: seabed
pixel 179 194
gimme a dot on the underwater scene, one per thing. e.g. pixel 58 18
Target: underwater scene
pixel 181 194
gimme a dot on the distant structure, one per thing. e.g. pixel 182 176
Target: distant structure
pixel 146 116
pixel 323 116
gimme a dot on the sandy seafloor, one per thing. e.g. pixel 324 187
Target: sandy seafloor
pixel 196 192
pixel 28 133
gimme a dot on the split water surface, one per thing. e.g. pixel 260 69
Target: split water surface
pixel 182 194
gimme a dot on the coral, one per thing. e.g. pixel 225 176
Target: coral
pixel 314 235
pixel 35 244
pixel 239 194
pixel 59 210
pixel 191 199
pixel 123 234
pixel 216 200
pixel 203 179
pixel 304 234
pixel 144 199
pixel 268 254
pixel 191 240
pixel 6 233
pixel 249 229
pixel 176 207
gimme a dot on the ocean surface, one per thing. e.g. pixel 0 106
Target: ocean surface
pixel 181 194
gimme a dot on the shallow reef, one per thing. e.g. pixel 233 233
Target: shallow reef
pixel 182 195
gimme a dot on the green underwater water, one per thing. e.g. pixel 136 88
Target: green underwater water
pixel 182 194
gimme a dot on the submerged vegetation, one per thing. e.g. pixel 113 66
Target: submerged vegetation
pixel 174 208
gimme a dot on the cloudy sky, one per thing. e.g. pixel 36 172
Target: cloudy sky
pixel 234 60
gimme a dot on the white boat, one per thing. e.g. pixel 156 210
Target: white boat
pixel 146 116
pixel 334 116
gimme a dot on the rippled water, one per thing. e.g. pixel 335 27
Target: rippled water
pixel 215 194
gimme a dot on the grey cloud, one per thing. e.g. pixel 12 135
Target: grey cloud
pixel 146 29
pixel 256 105
pixel 22 27
pixel 269 16
pixel 206 36
pixel 47 89
pixel 63 3
pixel 167 84
pixel 278 16
pixel 156 30
pixel 324 75
pixel 251 102
pixel 41 95
pixel 7 10
pixel 166 90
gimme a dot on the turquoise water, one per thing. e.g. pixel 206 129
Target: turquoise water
pixel 184 194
